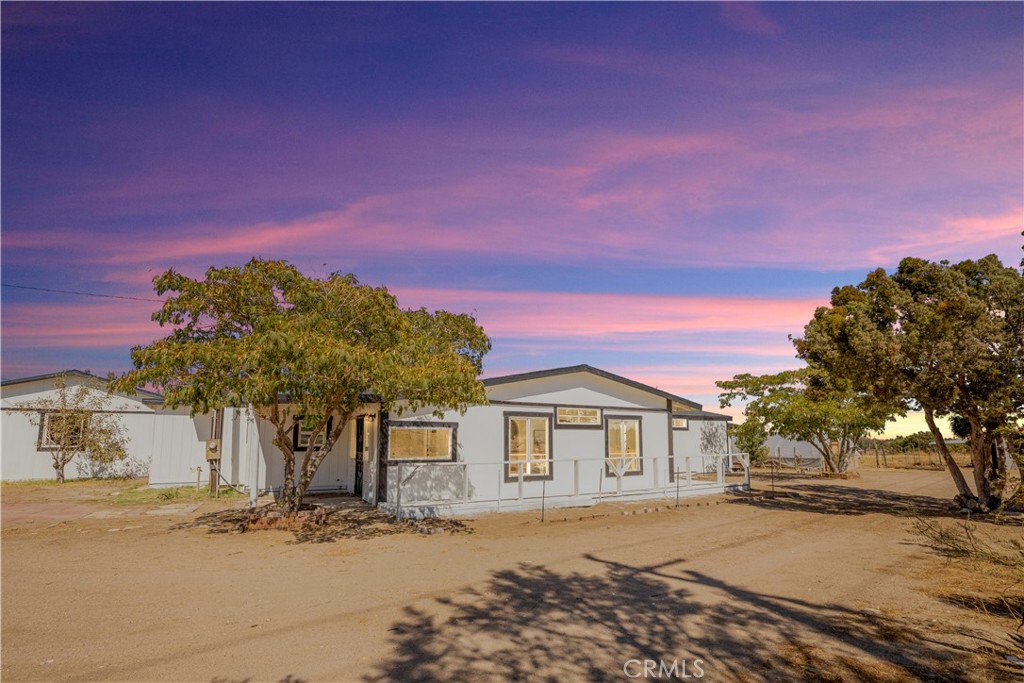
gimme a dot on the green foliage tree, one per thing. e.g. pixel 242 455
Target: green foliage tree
pixel 750 438
pixel 917 441
pixel 264 334
pixel 948 339
pixel 803 405
pixel 77 421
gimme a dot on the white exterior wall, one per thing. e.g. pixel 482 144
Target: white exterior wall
pixel 477 481
pixel 153 434
pixel 250 458
pixel 686 442
pixel 179 448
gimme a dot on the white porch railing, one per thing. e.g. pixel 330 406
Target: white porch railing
pixel 415 489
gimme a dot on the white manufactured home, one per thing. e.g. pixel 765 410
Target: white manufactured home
pixel 566 437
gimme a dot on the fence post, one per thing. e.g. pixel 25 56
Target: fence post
pixel 520 482
pixel 689 473
pixel 575 478
pixel 398 496
pixel 543 498
pixel 721 470
pixel 465 483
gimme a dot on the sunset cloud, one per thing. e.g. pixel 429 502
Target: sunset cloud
pixel 664 189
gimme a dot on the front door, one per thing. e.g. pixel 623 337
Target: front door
pixel 382 461
pixel 357 488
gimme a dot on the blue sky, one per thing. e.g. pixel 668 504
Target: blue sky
pixel 663 190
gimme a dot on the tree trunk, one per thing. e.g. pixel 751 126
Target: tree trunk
pixel 997 473
pixel 288 497
pixel 963 490
pixel 1016 496
pixel 981 456
pixel 60 463
pixel 289 503
pixel 313 458
pixel 824 447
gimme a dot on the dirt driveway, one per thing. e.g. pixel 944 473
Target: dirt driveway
pixel 827 583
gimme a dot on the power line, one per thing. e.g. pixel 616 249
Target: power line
pixel 70 291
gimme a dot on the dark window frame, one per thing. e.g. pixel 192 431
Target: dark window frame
pixel 43 443
pixel 639 444
pixel 298 425
pixel 424 424
pixel 568 425
pixel 506 466
pixel 680 429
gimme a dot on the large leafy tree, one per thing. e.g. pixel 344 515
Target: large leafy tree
pixel 945 338
pixel 808 406
pixel 265 335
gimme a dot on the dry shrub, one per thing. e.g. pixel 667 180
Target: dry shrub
pixel 993 578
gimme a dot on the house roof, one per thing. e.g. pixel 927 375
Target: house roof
pixel 705 415
pixel 525 376
pixel 146 395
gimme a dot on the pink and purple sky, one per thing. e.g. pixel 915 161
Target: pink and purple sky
pixel 662 190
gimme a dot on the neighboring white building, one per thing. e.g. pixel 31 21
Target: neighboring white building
pixel 564 437
pixel 793 453
pixel 159 440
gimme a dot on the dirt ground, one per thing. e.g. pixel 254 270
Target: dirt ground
pixel 824 582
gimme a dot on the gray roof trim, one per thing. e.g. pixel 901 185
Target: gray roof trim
pixel 526 376
pixel 145 395
pixel 703 415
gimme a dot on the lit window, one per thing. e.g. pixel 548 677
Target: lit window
pixel 680 423
pixel 578 417
pixel 528 445
pixel 428 441
pixel 623 456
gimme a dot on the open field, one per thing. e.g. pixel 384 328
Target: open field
pixel 825 582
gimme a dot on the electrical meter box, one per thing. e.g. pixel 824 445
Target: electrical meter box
pixel 213 449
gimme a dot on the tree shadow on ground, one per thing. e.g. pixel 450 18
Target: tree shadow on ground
pixel 534 623
pixel 362 523
pixel 836 499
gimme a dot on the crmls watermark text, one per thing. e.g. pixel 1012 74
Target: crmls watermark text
pixel 659 668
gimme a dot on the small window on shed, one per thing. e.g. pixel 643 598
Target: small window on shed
pixel 63 431
pixel 680 423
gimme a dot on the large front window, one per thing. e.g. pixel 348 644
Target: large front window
pixel 623 456
pixel 528 445
pixel 425 441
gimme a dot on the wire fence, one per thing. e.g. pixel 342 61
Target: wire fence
pixel 427 489
pixel 872 457
pixel 911 458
